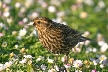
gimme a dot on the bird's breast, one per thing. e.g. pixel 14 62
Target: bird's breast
pixel 52 40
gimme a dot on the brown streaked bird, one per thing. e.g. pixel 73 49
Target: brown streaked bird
pixel 55 37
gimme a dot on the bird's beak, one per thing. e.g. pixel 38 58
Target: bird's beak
pixel 31 23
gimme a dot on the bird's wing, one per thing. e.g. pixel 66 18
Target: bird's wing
pixel 69 32
pixel 71 36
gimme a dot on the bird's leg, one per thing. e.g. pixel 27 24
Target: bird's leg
pixel 67 58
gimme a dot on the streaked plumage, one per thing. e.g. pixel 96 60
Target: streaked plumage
pixel 55 37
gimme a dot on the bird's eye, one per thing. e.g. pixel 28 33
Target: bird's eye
pixel 38 22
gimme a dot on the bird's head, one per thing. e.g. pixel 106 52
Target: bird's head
pixel 41 22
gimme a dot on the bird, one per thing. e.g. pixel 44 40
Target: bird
pixel 57 38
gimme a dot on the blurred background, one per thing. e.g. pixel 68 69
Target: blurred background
pixel 82 15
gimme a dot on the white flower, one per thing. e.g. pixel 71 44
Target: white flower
pixel 89 49
pixel 19 38
pixel 52 70
pixel 25 20
pixel 2 67
pixel 8 64
pixel 77 63
pixel 44 5
pixel 16 46
pixel 28 56
pixel 67 65
pixel 4 44
pixel 86 33
pixel 78 71
pixel 56 67
pixel 33 33
pixel 39 58
pixel 34 15
pixel 2 25
pixel 23 61
pixel 76 50
pixel 94 62
pixel 89 2
pixel 9 20
pixel 22 32
pixel 6 14
pixel 18 4
pixel 100 36
pixel 102 58
pixel 87 42
pixel 101 4
pixel 28 3
pixel 14 32
pixel 30 23
pixel 7 1
pixel 104 47
pixel 64 59
pixel 100 43
pixel 50 60
pixel 94 50
pixel 43 67
pixel 1 34
pixel 22 10
pixel 101 66
pixel 51 9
